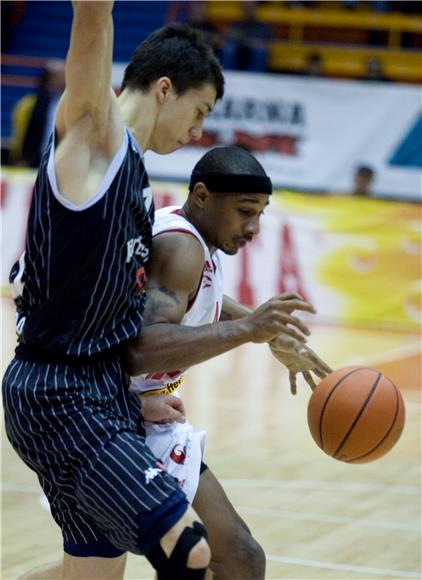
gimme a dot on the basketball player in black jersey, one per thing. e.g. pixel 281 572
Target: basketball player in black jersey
pixel 79 289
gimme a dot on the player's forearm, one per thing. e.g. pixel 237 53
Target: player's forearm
pixel 166 347
pixel 92 12
pixel 232 310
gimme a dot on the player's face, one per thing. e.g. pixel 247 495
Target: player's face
pixel 181 118
pixel 236 219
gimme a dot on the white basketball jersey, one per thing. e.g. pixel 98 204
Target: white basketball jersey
pixel 204 308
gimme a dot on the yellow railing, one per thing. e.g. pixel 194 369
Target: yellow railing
pixel 346 61
pixel 349 60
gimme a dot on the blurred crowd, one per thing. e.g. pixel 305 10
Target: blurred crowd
pixel 241 45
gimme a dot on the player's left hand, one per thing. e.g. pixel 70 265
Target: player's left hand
pixel 163 409
pixel 299 359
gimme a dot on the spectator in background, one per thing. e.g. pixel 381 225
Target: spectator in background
pixel 363 180
pixel 376 5
pixel 33 118
pixel 244 45
pixel 314 66
pixel 375 70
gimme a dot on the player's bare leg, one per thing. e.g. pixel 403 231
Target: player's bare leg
pixel 235 554
pixel 92 568
pixel 75 568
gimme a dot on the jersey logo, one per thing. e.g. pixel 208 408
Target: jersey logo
pixel 207 275
pixel 136 247
pixel 178 454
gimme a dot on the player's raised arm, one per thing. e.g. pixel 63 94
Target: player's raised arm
pixel 88 65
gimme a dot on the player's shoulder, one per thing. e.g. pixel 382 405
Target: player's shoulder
pixel 175 230
pixel 178 245
pixel 177 260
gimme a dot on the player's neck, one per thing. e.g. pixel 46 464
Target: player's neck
pixel 190 216
pixel 138 114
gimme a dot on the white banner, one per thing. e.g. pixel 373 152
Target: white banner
pixel 356 260
pixel 310 134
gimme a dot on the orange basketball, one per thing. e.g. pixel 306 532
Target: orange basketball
pixel 356 414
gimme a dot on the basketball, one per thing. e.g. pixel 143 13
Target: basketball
pixel 356 414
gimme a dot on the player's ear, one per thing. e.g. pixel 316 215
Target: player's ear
pixel 200 194
pixel 163 86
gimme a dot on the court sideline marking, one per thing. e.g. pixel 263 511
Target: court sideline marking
pixel 356 487
pixel 32 489
pixel 326 485
pixel 395 353
pixel 308 516
pixel 345 567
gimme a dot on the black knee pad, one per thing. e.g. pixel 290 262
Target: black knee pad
pixel 175 568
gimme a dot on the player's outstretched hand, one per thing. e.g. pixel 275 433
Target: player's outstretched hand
pixel 163 409
pixel 304 361
pixel 275 317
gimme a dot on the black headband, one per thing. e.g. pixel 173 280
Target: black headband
pixel 232 182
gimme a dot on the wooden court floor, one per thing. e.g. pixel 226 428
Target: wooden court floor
pixel 315 517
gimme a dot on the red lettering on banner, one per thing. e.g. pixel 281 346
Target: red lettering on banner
pixel 290 279
pixel 244 289
pixel 163 199
pixel 3 193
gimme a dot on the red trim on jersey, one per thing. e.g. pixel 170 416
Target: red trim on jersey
pixel 217 313
pixel 183 231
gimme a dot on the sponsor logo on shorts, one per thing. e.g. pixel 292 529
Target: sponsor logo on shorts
pixel 169 388
pixel 151 473
pixel 178 454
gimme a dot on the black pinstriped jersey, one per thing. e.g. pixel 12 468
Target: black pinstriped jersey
pixel 79 286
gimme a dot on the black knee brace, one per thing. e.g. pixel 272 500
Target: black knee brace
pixel 174 568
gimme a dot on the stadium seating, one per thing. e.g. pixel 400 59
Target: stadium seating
pixel 43 34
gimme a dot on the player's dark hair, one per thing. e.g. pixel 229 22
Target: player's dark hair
pixel 365 171
pixel 235 160
pixel 230 169
pixel 178 52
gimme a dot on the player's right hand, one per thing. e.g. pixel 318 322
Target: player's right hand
pixel 275 317
pixel 306 361
pixel 162 409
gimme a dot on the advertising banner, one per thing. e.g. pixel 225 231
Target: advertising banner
pixel 358 261
pixel 311 134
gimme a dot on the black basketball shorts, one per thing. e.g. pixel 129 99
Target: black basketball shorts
pixel 78 427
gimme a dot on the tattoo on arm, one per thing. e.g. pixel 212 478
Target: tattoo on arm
pixel 159 300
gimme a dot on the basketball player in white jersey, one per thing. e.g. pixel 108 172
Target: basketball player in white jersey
pixel 228 192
